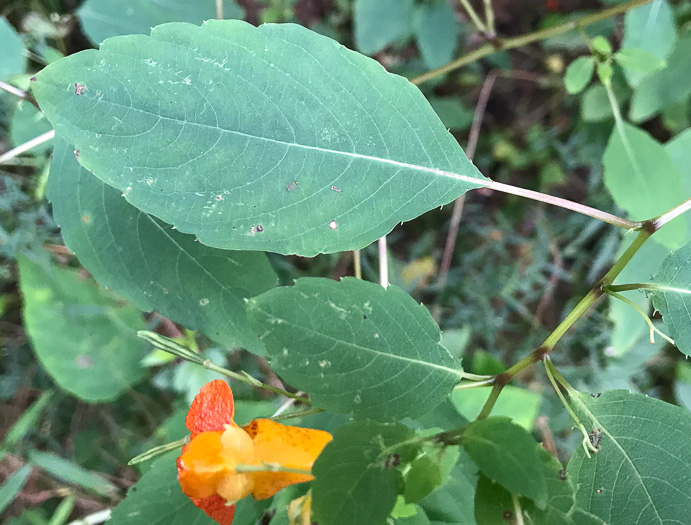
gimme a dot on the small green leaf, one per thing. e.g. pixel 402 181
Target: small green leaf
pixel 638 60
pixel 643 180
pixel 27 420
pixel 154 266
pixel 380 23
pixel 13 59
pixel 357 479
pixel 601 45
pixel 507 454
pixel 103 19
pixel 595 105
pixel 640 476
pixel 605 72
pixel 12 485
pixel 206 128
pixel 578 74
pixel 453 114
pixel 355 346
pixel 423 477
pixel 84 336
pixel 72 473
pixel 674 301
pixel 650 27
pixel 156 499
pixel 437 32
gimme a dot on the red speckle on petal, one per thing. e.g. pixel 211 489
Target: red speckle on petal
pixel 215 506
pixel 212 408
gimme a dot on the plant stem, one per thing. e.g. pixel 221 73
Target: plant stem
pixel 383 262
pixel 271 467
pixel 564 203
pixel 517 510
pixel 357 262
pixel 489 17
pixel 479 25
pixel 219 9
pixel 157 451
pixel 638 310
pixel 672 214
pixel 529 38
pixel 653 287
pixel 14 152
pixel 292 415
pixel 19 93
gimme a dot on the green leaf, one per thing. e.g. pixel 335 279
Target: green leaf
pixel 12 485
pixel 638 60
pixel 643 180
pixel 235 133
pixel 28 123
pixel 423 477
pixel 156 499
pixel 419 518
pixel 664 88
pixel 27 420
pixel 651 28
pixel 437 32
pixel 674 300
pixel 150 264
pixel 84 336
pixel 601 45
pixel 507 454
pixel 493 503
pixel 519 404
pixel 605 72
pixel 595 106
pixel 103 19
pixel 354 345
pixel 453 502
pixel 380 23
pixel 453 114
pixel 356 476
pixel 640 476
pixel 72 473
pixel 13 60
pixel 578 74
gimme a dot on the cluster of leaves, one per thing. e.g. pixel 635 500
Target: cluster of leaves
pixel 183 153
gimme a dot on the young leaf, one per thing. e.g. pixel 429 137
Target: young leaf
pixel 638 60
pixel 643 180
pixel 256 147
pixel 650 27
pixel 149 263
pixel 357 479
pixel 156 499
pixel 103 19
pixel 640 476
pixel 423 477
pixel 507 454
pixel 601 45
pixel 84 336
pixel 355 346
pixel 13 58
pixel 27 420
pixel 12 485
pixel 380 23
pixel 578 74
pixel 436 31
pixel 674 303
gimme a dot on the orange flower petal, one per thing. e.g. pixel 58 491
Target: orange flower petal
pixel 213 408
pixel 288 446
pixel 216 508
pixel 201 465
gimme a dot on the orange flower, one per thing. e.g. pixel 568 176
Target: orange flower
pixel 207 467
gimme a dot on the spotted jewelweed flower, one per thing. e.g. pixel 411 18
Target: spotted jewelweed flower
pixel 224 463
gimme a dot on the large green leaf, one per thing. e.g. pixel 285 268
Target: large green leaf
pixel 666 87
pixel 84 336
pixel 156 499
pixel 239 135
pixel 103 19
pixel 150 264
pixel 508 455
pixel 640 476
pixel 380 23
pixel 650 27
pixel 673 300
pixel 13 59
pixel 356 476
pixel 643 180
pixel 354 345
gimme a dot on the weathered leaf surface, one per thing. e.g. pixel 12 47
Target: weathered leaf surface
pixel 150 264
pixel 355 346
pixel 103 19
pixel 84 336
pixel 508 455
pixel 640 476
pixel 272 138
pixel 356 479
pixel 156 499
pixel 643 180
pixel 674 302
